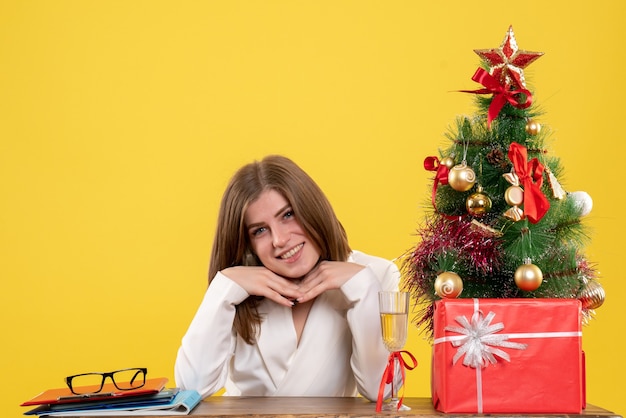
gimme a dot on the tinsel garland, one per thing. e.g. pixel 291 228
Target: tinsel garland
pixel 475 250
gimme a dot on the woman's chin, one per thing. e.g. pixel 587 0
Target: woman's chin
pixel 296 273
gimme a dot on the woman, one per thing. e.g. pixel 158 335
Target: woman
pixel 290 310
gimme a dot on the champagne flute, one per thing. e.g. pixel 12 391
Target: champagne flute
pixel 394 319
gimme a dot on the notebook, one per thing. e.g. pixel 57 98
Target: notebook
pixel 109 391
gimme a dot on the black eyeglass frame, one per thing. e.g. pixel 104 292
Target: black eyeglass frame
pixel 141 373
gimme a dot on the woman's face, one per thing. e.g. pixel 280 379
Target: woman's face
pixel 277 238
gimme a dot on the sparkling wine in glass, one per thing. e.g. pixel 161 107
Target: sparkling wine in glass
pixel 394 321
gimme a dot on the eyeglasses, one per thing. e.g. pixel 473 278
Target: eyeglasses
pixel 125 379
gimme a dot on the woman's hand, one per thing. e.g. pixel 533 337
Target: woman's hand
pixel 325 276
pixel 259 281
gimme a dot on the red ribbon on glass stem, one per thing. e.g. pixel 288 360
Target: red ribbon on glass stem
pixel 388 376
pixel 530 175
pixel 501 93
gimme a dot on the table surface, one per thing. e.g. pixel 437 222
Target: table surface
pixel 232 406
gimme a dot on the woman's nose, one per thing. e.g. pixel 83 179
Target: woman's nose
pixel 280 237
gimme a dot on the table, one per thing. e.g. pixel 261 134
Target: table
pixel 287 407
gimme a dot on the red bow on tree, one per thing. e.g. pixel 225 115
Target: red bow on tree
pixel 433 164
pixel 501 93
pixel 530 175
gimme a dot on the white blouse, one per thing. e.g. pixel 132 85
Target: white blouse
pixel 340 351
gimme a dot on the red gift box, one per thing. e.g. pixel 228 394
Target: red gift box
pixel 508 356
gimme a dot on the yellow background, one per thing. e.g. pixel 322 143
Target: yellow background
pixel 121 121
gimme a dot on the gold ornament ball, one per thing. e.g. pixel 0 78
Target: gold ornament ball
pixel 461 177
pixel 592 296
pixel 514 196
pixel 477 204
pixel 448 285
pixel 528 277
pixel 532 127
pixel 447 161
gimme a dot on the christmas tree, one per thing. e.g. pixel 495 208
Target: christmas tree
pixel 501 224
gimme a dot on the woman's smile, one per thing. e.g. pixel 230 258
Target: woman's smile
pixel 292 252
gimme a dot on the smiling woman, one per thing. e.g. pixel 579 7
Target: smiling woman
pixel 290 310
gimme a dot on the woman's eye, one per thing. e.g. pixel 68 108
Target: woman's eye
pixel 288 214
pixel 257 231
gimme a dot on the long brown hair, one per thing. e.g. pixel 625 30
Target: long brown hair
pixel 231 246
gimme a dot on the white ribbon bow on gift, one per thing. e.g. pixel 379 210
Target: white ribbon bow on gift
pixel 480 340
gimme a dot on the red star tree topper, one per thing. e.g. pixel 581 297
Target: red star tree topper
pixel 506 59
